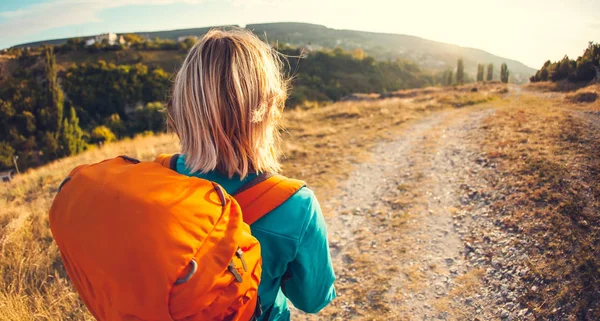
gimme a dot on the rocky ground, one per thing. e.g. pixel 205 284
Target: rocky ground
pixel 413 233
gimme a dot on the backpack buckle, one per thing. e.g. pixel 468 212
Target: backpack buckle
pixel 193 268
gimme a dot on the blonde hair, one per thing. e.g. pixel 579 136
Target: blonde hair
pixel 226 104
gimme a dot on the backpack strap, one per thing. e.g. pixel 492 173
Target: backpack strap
pixel 265 193
pixel 168 160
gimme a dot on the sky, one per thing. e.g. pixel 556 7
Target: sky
pixel 530 31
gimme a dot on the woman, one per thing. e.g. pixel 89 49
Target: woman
pixel 226 105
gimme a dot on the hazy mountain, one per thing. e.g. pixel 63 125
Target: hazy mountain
pixel 427 53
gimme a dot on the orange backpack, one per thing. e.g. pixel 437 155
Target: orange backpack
pixel 141 242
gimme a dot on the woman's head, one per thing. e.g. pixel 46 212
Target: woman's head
pixel 226 103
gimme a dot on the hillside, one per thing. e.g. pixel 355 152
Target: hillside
pixel 427 54
pixel 113 92
pixel 440 203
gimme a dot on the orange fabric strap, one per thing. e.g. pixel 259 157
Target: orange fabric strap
pixel 167 160
pixel 164 160
pixel 257 200
pixel 265 196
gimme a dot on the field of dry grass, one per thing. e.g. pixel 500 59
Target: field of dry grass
pixel 320 147
pixel 548 155
pixel 584 95
pixel 559 86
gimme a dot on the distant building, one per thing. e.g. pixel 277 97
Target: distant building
pixel 110 38
pixel 6 177
pixel 184 38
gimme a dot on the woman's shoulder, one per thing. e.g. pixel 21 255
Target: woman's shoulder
pixel 303 203
pixel 303 196
pixel 293 216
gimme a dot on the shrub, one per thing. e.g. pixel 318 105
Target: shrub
pixel 583 97
pixel 6 155
pixel 102 134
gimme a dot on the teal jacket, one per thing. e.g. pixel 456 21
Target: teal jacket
pixel 293 239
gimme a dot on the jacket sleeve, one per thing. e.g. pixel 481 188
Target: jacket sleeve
pixel 309 279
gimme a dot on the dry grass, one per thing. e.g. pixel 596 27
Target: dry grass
pixel 35 285
pixel 587 94
pixel 559 86
pixel 468 283
pixel 321 145
pixel 549 158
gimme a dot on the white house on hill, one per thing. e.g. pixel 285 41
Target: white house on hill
pixel 111 39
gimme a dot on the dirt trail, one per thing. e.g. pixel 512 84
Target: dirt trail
pixel 396 227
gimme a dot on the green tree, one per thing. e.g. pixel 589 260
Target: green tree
pixel 149 118
pixel 117 126
pixel 26 123
pixel 6 109
pixel 187 44
pixel 103 89
pixel 480 72
pixel 585 70
pixel 449 78
pixel 504 73
pixel 55 96
pixel 72 136
pixel 101 134
pixel 132 38
pixel 562 69
pixel 490 72
pixel 460 72
pixel 50 146
pixel 6 155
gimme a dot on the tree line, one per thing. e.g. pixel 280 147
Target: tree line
pixel 132 41
pixel 329 75
pixel 37 125
pixel 45 117
pixel 583 69
pixel 449 77
pixel 46 114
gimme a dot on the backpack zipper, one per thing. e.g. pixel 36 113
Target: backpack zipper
pixel 231 268
pixel 240 254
